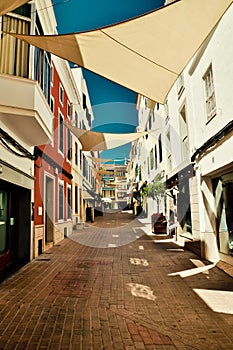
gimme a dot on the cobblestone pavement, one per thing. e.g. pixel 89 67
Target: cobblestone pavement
pixel 111 286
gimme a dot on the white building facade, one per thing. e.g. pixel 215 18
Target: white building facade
pixel 196 137
pixel 25 120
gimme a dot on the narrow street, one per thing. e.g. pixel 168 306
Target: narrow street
pixel 112 286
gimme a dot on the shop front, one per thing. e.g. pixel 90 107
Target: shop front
pixel 15 227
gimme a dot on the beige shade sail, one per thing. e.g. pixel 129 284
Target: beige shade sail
pixel 100 160
pixel 145 54
pixel 9 5
pixel 99 141
pixel 105 172
pixel 109 172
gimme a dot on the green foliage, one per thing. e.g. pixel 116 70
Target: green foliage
pixel 156 189
pixel 144 191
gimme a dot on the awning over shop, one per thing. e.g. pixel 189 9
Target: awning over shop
pixel 99 141
pixel 87 195
pixel 145 54
pixel 7 5
pixel 180 174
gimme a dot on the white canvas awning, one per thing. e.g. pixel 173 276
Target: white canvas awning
pixel 7 5
pixel 99 141
pixel 145 54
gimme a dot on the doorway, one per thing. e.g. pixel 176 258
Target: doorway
pixel 4 232
pixel 49 209
pixel 15 227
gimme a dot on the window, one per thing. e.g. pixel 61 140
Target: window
pixel 61 200
pixel 169 163
pixel 61 94
pixel 42 71
pixel 184 133
pixel 150 121
pixel 61 133
pixel 42 65
pixel 166 112
pixel 156 158
pixel 76 199
pixel 85 167
pixel 84 101
pixel 69 145
pixel 160 149
pixel 168 138
pixel 80 159
pixel 146 129
pixel 68 110
pixel 52 104
pixel 88 117
pixel 69 204
pixel 151 158
pixel 52 75
pixel 14 53
pixel 210 94
pixel 180 84
pixel 76 119
pixel 76 153
pixel 140 173
pixel 46 75
pixel 3 218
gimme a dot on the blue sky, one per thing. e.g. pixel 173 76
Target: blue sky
pixel 113 105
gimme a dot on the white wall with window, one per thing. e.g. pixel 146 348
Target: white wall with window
pixel 25 113
pixel 208 109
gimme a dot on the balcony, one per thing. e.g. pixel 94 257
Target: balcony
pixel 24 110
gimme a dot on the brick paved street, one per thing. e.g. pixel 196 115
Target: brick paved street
pixel 111 286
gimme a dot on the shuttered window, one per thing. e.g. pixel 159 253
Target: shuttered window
pixel 14 53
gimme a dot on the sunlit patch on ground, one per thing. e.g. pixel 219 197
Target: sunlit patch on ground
pixel 202 268
pixel 175 250
pixel 137 261
pixel 139 290
pixel 217 300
